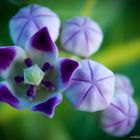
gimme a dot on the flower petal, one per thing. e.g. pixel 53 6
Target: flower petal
pixel 48 107
pixel 6 95
pixel 41 47
pixel 8 55
pixel 65 69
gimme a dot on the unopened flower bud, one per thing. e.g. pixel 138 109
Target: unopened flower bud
pixel 29 20
pixel 81 36
pixel 123 83
pixel 120 117
pixel 92 87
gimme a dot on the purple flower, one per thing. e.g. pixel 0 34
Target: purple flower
pixel 34 78
pixel 123 83
pixel 120 117
pixel 81 36
pixel 91 87
pixel 29 20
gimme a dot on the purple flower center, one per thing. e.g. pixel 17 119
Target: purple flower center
pixel 31 91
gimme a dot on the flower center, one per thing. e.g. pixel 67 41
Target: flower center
pixel 33 75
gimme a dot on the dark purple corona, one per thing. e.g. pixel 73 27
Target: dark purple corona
pixel 46 67
pixel 49 85
pixel 28 62
pixel 31 91
pixel 19 79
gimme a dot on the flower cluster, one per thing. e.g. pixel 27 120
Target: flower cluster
pixel 34 77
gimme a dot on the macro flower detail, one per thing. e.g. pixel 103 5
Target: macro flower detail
pixel 35 77
pixel 81 36
pixel 120 117
pixel 123 83
pixel 91 87
pixel 29 20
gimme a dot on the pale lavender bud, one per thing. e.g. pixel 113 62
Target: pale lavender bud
pixel 29 20
pixel 81 36
pixel 92 87
pixel 120 117
pixel 123 83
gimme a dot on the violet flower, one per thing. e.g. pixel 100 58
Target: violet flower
pixel 123 83
pixel 120 117
pixel 29 20
pixel 81 36
pixel 34 78
pixel 91 87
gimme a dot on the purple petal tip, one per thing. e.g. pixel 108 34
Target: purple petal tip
pixel 67 69
pixel 7 96
pixel 42 41
pixel 7 54
pixel 48 107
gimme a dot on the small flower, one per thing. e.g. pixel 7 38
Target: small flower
pixel 123 83
pixel 81 36
pixel 29 20
pixel 91 87
pixel 34 78
pixel 120 117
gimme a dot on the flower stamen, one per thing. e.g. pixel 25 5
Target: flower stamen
pixel 46 67
pixel 31 92
pixel 28 62
pixel 48 84
pixel 33 75
pixel 19 79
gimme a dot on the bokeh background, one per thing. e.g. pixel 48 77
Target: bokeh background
pixel 120 51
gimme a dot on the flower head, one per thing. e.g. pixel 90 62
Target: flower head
pixel 29 20
pixel 34 77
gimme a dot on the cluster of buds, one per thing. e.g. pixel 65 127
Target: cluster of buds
pixel 119 118
pixel 34 77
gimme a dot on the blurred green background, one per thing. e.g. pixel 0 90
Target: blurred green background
pixel 120 51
